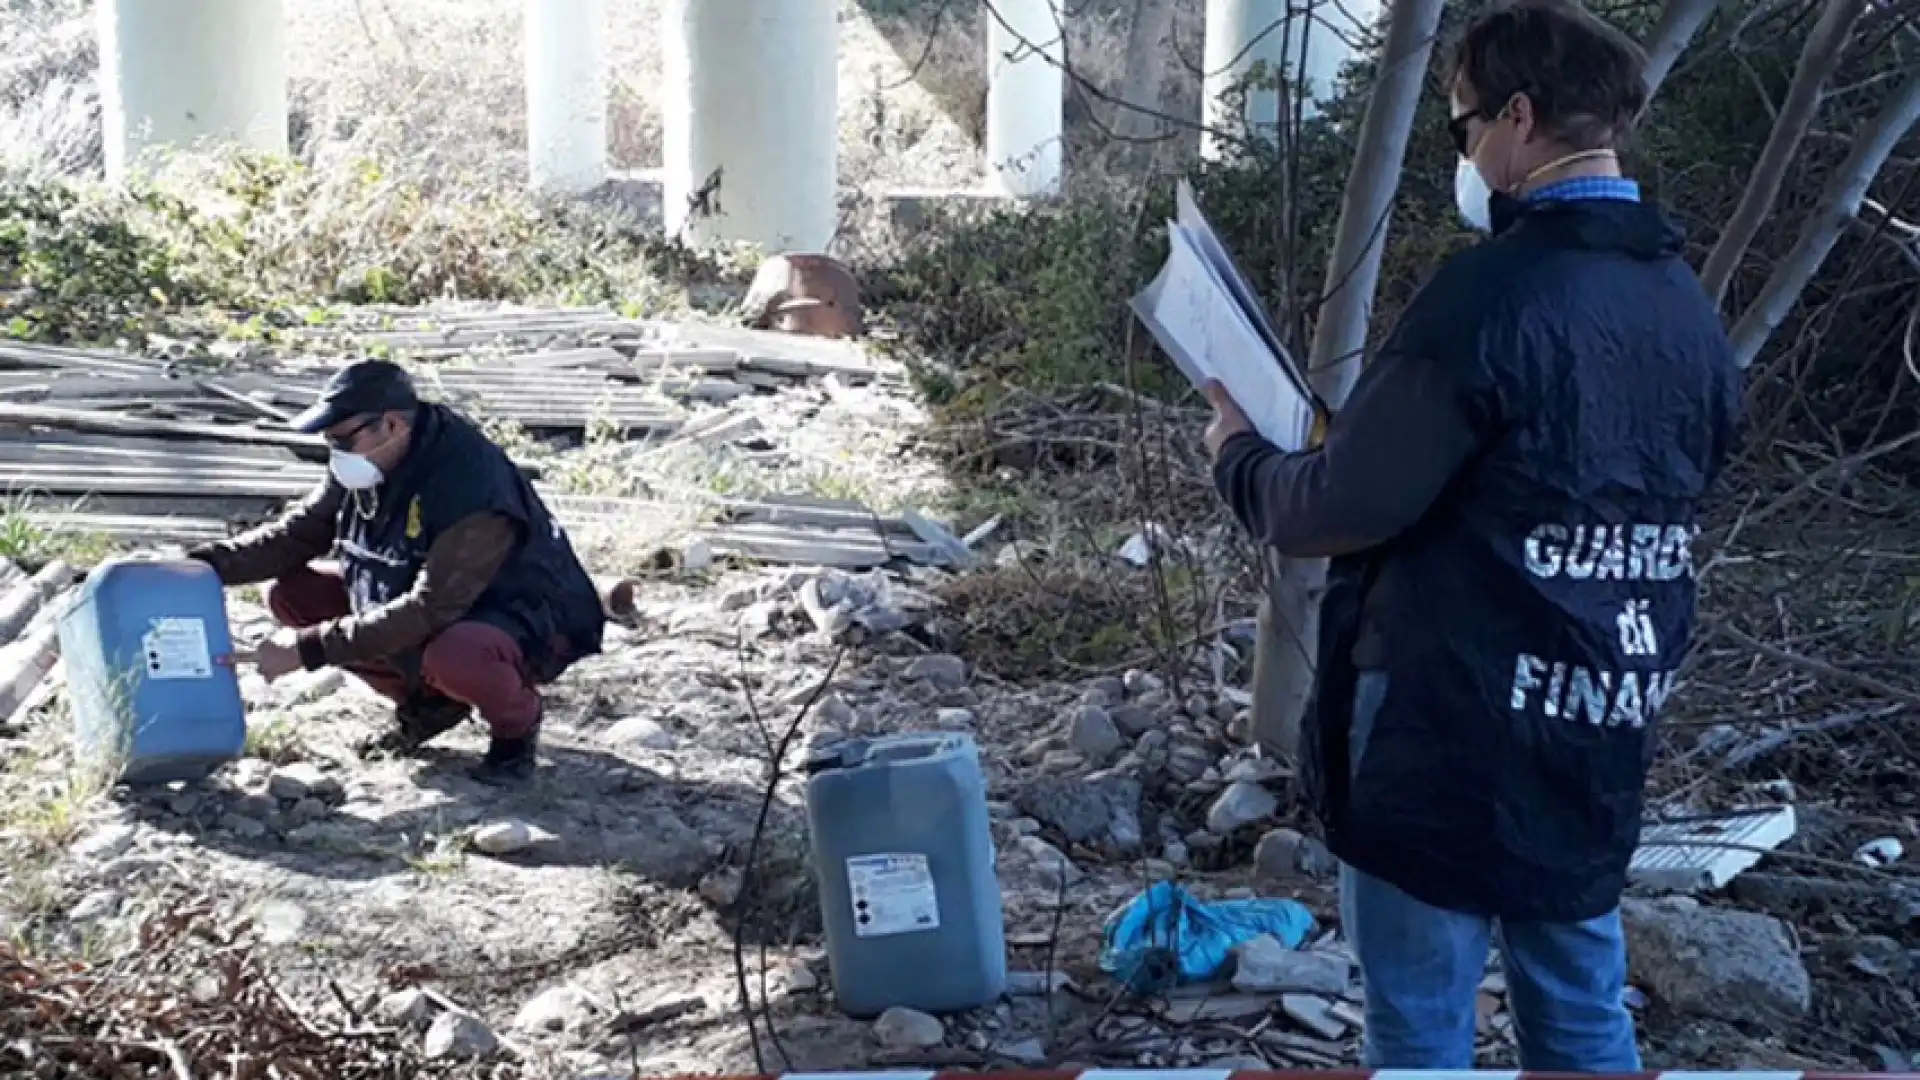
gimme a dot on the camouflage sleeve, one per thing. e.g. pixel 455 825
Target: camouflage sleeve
pixel 460 565
pixel 299 536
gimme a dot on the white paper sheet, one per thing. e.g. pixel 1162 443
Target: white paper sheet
pixel 1205 316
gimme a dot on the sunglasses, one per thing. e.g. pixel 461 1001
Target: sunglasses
pixel 344 440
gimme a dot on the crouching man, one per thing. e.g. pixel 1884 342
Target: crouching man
pixel 455 590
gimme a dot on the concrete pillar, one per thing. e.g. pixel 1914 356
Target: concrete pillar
pixel 1331 36
pixel 1239 35
pixel 180 72
pixel 566 53
pixel 752 121
pixel 1025 81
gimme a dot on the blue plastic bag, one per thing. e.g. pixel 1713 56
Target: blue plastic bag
pixel 1164 937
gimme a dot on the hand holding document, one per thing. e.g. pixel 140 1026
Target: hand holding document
pixel 1206 317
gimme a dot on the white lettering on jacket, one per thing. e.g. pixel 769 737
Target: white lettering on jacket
pixel 1581 695
pixel 1611 552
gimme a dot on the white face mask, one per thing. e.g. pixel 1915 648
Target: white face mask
pixel 1472 195
pixel 354 471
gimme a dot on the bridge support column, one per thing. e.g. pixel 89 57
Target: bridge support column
pixel 566 57
pixel 1025 80
pixel 186 72
pixel 752 121
pixel 1242 33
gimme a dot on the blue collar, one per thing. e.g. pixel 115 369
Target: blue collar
pixel 1617 188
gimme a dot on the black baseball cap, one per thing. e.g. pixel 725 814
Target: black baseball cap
pixel 362 387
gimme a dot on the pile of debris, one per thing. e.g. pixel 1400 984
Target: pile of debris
pixel 192 1000
pixel 189 448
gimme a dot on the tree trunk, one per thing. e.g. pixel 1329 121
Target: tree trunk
pixel 1146 71
pixel 1839 203
pixel 1818 61
pixel 1679 21
pixel 1289 623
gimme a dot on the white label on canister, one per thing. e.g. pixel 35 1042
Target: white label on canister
pixel 892 894
pixel 177 649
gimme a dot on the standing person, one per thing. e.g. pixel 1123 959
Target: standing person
pixel 1509 501
pixel 456 589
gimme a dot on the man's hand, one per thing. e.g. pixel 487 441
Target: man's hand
pixel 1228 420
pixel 275 658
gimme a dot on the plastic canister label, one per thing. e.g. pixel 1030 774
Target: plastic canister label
pixel 892 894
pixel 176 648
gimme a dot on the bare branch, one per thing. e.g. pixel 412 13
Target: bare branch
pixel 1679 21
pixel 1839 204
pixel 1818 61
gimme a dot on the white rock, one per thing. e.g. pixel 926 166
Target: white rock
pixel 642 732
pixel 833 712
pixel 1239 805
pixel 697 555
pixel 96 905
pixel 557 1008
pixel 303 687
pixel 280 922
pixel 907 1029
pixel 459 1036
pixel 1027 1052
pixel 1142 682
pixel 1094 733
pixel 107 842
pixel 1050 867
pixel 1036 983
pixel 503 837
pixel 722 887
pixel 303 781
pixel 1265 966
pixel 1313 1013
pixel 799 979
pixel 942 670
pixel 409 1008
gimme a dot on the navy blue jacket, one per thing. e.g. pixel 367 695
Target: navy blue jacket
pixel 542 596
pixel 1510 499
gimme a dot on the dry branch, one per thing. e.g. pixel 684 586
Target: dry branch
pixel 1818 61
pixel 1679 21
pixel 1839 204
pixel 193 1000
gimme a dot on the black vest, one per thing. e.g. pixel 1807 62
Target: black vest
pixel 1531 624
pixel 542 596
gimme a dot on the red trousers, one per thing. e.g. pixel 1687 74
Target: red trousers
pixel 472 662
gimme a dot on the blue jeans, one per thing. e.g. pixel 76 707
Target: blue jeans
pixel 1421 968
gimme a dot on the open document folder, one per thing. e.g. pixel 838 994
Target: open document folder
pixel 1208 320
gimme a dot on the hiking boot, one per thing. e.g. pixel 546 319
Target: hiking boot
pixel 508 760
pixel 417 721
